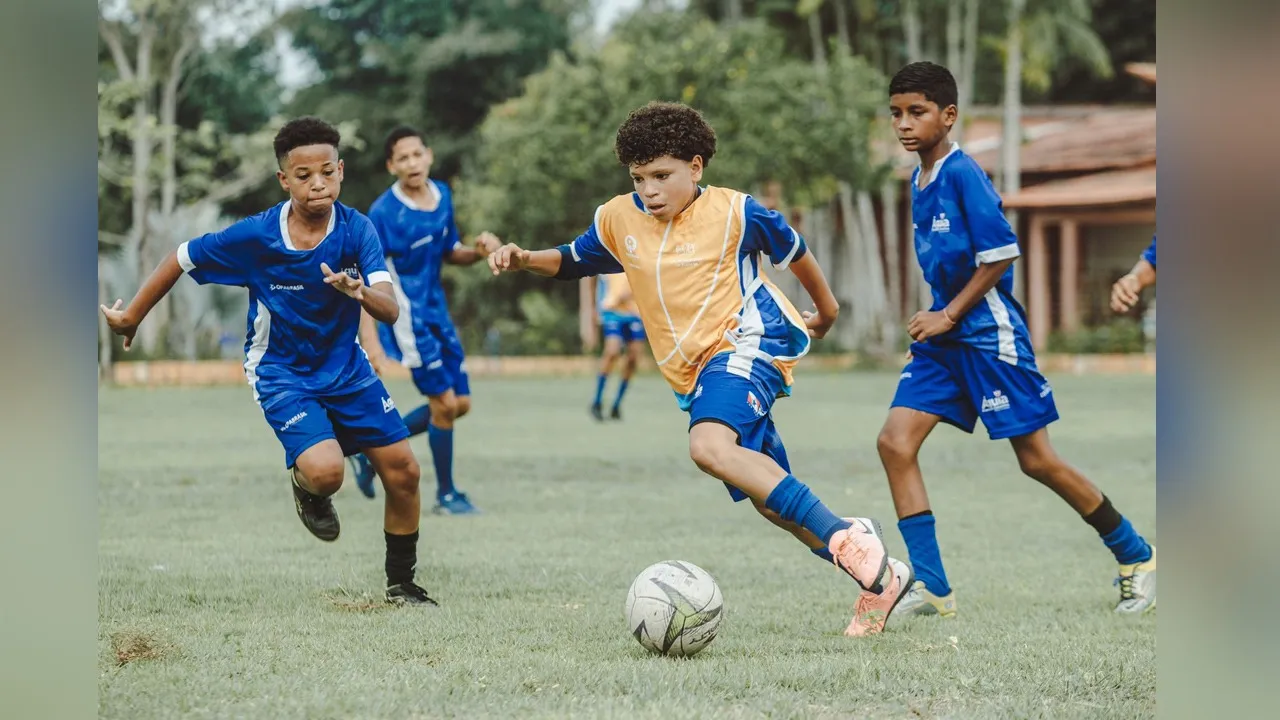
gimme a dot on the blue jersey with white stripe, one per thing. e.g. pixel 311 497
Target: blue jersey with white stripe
pixel 960 224
pixel 301 333
pixel 1150 253
pixel 416 242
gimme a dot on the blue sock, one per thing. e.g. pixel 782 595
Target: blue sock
pixel 622 389
pixel 794 502
pixel 418 420
pixel 922 548
pixel 441 442
pixel 600 381
pixel 1127 545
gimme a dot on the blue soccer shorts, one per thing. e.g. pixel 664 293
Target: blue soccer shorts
pixel 961 384
pixel 742 404
pixel 357 419
pixel 626 327
pixel 444 364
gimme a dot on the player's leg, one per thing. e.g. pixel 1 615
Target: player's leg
pixel 399 470
pixel 312 458
pixel 633 337
pixel 608 356
pixel 1017 404
pixel 927 393
pixel 450 396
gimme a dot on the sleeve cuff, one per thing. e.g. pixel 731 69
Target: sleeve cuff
pixel 378 276
pixel 184 257
pixel 797 252
pixel 995 255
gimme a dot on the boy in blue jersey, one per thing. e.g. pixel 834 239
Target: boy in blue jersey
pixel 311 265
pixel 623 332
pixel 1125 293
pixel 972 355
pixel 419 233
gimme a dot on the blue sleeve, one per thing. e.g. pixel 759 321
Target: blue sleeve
pixel 993 240
pixel 380 228
pixel 586 256
pixel 373 263
pixel 1150 254
pixel 224 257
pixel 768 232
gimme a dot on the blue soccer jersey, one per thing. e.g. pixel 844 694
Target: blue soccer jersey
pixel 415 242
pixel 1150 253
pixel 960 224
pixel 301 333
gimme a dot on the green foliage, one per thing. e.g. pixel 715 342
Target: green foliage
pixel 1120 335
pixel 546 158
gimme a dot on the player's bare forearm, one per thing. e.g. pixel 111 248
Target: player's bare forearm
pixel 512 257
pixel 379 301
pixel 809 273
pixel 369 335
pixel 157 285
pixel 465 255
pixel 1145 273
pixel 984 278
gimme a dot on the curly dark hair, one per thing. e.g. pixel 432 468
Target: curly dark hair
pixel 302 132
pixel 399 133
pixel 933 81
pixel 663 128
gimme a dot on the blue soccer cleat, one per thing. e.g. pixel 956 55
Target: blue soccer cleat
pixel 363 469
pixel 454 503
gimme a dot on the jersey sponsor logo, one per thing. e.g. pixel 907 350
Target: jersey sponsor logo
pixel 285 287
pixel 997 402
pixel 293 421
pixel 388 404
pixel 755 405
pixel 353 271
pixel 941 224
pixel 697 393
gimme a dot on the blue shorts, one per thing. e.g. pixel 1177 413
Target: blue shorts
pixel 960 384
pixel 444 364
pixel 743 405
pixel 364 418
pixel 627 327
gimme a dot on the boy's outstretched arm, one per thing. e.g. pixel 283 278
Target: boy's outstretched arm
pixel 512 257
pixel 809 273
pixel 125 321
pixel 486 244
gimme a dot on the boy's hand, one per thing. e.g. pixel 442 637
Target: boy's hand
pixel 818 324
pixel 508 258
pixel 487 243
pixel 119 322
pixel 926 324
pixel 1124 294
pixel 352 287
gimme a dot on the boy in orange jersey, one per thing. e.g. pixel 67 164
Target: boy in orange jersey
pixel 723 335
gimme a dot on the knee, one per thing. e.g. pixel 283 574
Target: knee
pixel 400 475
pixel 462 407
pixel 326 478
pixel 1038 464
pixel 895 447
pixel 444 411
pixel 710 454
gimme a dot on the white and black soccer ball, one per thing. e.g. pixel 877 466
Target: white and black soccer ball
pixel 674 608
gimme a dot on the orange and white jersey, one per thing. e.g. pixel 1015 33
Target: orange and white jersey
pixel 614 295
pixel 698 281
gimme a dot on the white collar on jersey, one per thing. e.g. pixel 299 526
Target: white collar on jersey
pixel 408 201
pixel 955 146
pixel 284 224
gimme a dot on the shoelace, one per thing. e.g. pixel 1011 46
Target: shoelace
pixel 1126 587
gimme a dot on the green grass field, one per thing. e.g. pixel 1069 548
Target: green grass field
pixel 214 601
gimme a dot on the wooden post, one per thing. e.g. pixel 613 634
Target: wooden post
pixel 587 315
pixel 1070 278
pixel 1038 284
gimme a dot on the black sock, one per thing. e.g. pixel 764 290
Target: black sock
pixel 1105 519
pixel 402 557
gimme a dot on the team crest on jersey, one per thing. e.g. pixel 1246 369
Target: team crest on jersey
pixel 754 402
pixel 630 243
pixel 997 402
pixel 941 224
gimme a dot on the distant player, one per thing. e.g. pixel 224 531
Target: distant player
pixel 972 355
pixel 311 265
pixel 723 335
pixel 623 332
pixel 419 234
pixel 1125 293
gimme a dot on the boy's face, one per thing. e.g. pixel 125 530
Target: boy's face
pixel 312 175
pixel 919 123
pixel 410 162
pixel 666 185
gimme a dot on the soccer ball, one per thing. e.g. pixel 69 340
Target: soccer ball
pixel 674 608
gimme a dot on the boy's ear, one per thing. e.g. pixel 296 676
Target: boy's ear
pixel 949 115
